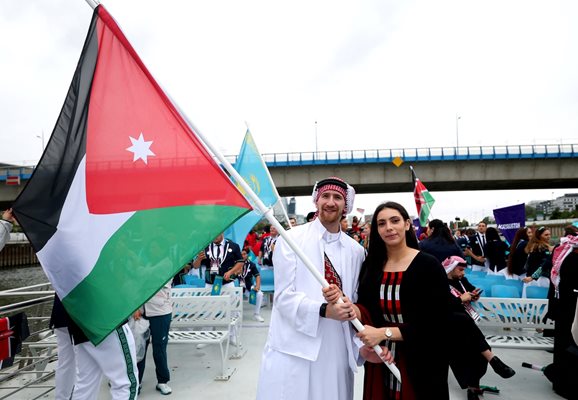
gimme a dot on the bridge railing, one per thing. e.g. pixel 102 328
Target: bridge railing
pixel 545 151
pixel 421 154
pixel 22 172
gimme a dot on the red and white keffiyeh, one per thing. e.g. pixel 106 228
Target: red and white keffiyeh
pixel 567 245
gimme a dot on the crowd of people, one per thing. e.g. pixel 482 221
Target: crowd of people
pixel 410 293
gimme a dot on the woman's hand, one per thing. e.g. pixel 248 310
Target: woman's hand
pixel 371 336
pixel 332 293
pixel 527 279
pixel 370 355
pixel 466 297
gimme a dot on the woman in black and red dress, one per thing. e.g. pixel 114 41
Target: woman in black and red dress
pixel 403 302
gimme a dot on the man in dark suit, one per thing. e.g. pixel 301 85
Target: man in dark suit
pixel 222 257
pixel 477 244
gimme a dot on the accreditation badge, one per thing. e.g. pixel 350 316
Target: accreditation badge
pixel 214 267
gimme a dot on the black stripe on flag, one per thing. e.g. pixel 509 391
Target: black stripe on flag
pixel 39 205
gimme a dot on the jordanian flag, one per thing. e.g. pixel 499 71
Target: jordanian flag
pixel 125 193
pixel 424 201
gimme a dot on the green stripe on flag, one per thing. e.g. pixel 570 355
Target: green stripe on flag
pixel 138 259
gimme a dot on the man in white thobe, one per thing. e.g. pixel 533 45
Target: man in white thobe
pixel 310 352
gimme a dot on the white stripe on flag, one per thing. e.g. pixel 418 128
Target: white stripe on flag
pixel 71 253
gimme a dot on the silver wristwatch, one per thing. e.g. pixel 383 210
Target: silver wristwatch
pixel 388 333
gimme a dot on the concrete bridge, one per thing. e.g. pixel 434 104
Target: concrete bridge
pixel 442 169
pixel 374 171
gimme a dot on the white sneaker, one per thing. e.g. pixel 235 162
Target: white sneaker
pixel 201 346
pixel 258 318
pixel 164 388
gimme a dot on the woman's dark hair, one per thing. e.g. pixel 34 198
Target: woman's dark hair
pixel 377 252
pixel 521 234
pixel 372 267
pixel 440 230
pixel 492 234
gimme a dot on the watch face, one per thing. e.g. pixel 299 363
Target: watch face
pixel 388 332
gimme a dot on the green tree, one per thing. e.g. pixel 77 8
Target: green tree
pixel 530 212
pixel 463 223
pixel 556 214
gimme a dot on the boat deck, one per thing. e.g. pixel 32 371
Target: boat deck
pixel 193 372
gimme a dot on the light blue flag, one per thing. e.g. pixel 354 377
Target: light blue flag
pixel 252 168
pixel 239 230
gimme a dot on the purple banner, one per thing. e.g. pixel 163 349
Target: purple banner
pixel 418 228
pixel 510 219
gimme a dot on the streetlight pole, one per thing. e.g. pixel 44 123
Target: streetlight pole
pixel 42 138
pixel 315 155
pixel 457 131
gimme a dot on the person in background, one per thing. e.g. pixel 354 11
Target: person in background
pixel 7 222
pixel 365 234
pixel 517 257
pixel 114 358
pixel 354 226
pixel 246 277
pixel 65 371
pixel 310 216
pixel 470 353
pixel 495 250
pixel 310 353
pixel 476 248
pixel 403 303
pixel 221 258
pixel 158 311
pixel 265 257
pixel 539 260
pixel 344 224
pixel 563 372
pixel 292 222
pixel 440 242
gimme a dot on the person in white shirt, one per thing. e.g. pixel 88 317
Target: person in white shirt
pixel 6 227
pixel 310 353
pixel 158 311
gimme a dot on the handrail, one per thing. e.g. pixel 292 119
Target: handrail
pixel 26 363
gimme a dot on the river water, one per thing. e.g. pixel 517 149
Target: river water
pixel 15 277
pixel 21 276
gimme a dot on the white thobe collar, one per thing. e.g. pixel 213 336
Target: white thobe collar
pixel 319 231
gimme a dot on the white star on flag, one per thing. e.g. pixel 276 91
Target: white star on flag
pixel 140 148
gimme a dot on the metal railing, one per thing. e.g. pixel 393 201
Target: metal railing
pixel 517 152
pixel 28 373
pixel 420 155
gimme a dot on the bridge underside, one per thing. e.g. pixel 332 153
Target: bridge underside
pixel 437 176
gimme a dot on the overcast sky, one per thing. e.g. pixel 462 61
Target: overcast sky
pixel 373 74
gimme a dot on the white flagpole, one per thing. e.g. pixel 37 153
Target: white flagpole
pixel 93 3
pixel 268 213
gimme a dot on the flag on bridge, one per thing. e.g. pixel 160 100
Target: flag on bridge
pixel 252 168
pixel 423 199
pixel 126 193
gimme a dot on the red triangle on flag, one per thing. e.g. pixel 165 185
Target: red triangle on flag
pixel 140 152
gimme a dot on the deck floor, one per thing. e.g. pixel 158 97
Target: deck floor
pixel 193 372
